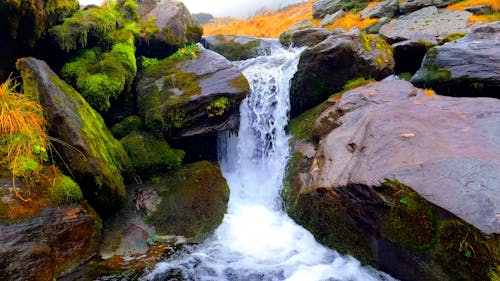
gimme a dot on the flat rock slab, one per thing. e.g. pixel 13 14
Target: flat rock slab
pixel 446 149
pixel 429 24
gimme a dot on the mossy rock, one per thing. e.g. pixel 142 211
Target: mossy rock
pixel 127 126
pixel 150 155
pixel 193 201
pixel 233 47
pixel 97 160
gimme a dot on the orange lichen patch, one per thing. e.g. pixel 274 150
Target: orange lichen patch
pixel 264 24
pixel 430 93
pixel 495 4
pixel 350 20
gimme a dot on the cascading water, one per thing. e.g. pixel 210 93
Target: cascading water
pixel 257 240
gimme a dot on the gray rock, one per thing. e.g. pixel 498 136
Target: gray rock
pixel 429 24
pixel 321 8
pixel 331 18
pixel 383 9
pixel 480 9
pixel 286 35
pixel 96 159
pixel 375 28
pixel 325 68
pixel 466 67
pixel 172 15
pixel 390 130
pixel 309 36
pixel 236 47
pixel 177 97
pixel 408 6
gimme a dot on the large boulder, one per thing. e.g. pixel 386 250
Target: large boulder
pixel 385 8
pixel 405 180
pixel 49 244
pixel 331 18
pixel 94 158
pixel 193 202
pixel 235 47
pixel 285 36
pixel 466 67
pixel 429 24
pixel 175 27
pixel 407 6
pixel 309 37
pixel 324 69
pixel 197 93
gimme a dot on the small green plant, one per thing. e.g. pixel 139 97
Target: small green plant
pixel 65 191
pixel 186 52
pixel 145 62
pixel 403 201
pixel 217 107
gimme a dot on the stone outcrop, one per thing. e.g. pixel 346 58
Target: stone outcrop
pixel 331 18
pixel 49 244
pixel 383 9
pixel 286 35
pixel 466 67
pixel 194 95
pixel 324 69
pixel 96 159
pixel 408 6
pixel 321 8
pixel 308 37
pixel 429 24
pixel 235 47
pixel 405 180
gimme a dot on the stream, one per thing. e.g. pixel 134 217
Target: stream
pixel 257 240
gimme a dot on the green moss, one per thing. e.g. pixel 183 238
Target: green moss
pixel 240 83
pixel 301 127
pixel 355 83
pixel 65 191
pixel 151 156
pixel 126 126
pixel 452 37
pixel 410 222
pixel 109 154
pixel 466 253
pixel 194 200
pixel 217 107
pixel 235 51
pixel 405 76
pixel 193 33
pixel 430 72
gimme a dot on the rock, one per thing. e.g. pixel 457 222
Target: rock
pixel 286 35
pixel 192 95
pixel 375 28
pixel 428 24
pixel 193 202
pixel 49 244
pixel 85 144
pixel 309 37
pixel 466 67
pixel 330 19
pixel 383 9
pixel 176 27
pixel 409 54
pixel 480 9
pixel 387 183
pixel 321 8
pixel 324 69
pixel 407 6
pixel 235 47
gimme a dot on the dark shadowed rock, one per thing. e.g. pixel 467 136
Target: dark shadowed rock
pixel 408 6
pixel 331 18
pixel 479 9
pixel 375 28
pixel 385 8
pixel 191 96
pixel 94 157
pixel 309 37
pixel 409 54
pixel 324 69
pixel 401 178
pixel 49 244
pixel 235 47
pixel 429 24
pixel 466 67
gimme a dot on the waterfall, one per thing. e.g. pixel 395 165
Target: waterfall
pixel 257 240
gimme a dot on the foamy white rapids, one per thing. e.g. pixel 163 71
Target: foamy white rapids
pixel 257 240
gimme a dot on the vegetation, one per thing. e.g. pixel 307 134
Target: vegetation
pixel 151 156
pixel 126 126
pixel 234 51
pixel 494 4
pixel 351 20
pixel 23 139
pixel 217 107
pixel 65 191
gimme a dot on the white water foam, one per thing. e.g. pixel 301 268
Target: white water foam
pixel 257 240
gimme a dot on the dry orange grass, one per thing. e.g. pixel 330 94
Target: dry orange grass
pixel 495 4
pixel 264 24
pixel 350 21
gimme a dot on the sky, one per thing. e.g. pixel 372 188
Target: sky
pixel 224 8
